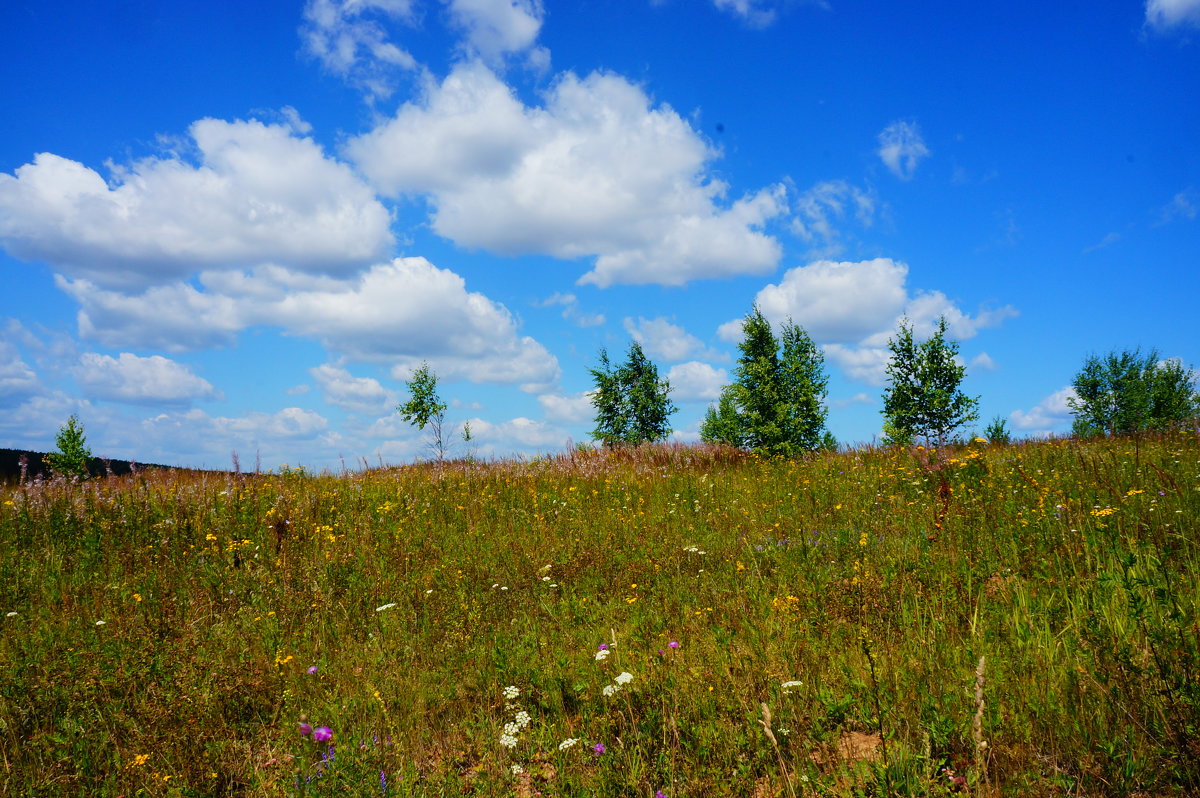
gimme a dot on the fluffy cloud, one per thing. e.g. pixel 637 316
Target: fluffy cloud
pixel 695 381
pixel 17 380
pixel 666 341
pixel 1050 414
pixel 596 171
pixel 139 380
pixel 853 308
pixel 1163 14
pixel 357 394
pixel 349 39
pixel 574 409
pixel 861 302
pixel 861 364
pixel 838 301
pixel 396 313
pixel 495 28
pixel 901 148
pixel 518 434
pixel 258 194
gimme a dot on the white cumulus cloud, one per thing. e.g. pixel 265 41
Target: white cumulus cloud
pixel 397 313
pixel 597 171
pixel 695 381
pixel 853 308
pixel 495 28
pixel 139 380
pixel 1163 14
pixel 901 148
pixel 257 194
pixel 567 409
pixel 661 339
pixel 358 394
pixel 1047 416
pixel 350 39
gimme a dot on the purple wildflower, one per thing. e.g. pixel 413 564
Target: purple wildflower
pixel 673 644
pixel 604 646
pixel 312 669
pixel 598 749
pixel 305 729
pixel 322 733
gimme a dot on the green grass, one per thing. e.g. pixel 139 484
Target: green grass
pixel 161 627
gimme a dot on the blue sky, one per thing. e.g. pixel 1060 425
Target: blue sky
pixel 230 230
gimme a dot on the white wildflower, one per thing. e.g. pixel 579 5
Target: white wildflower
pixel 385 607
pixel 610 690
pixel 511 692
pixel 567 743
pixel 512 728
pixel 625 678
pixel 517 770
pixel 602 654
pixel 522 719
pixel 790 686
pixel 508 740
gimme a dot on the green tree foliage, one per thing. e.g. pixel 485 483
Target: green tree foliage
pixel 776 403
pixel 632 404
pixel 997 431
pixel 924 399
pixel 1127 392
pixel 426 409
pixel 71 459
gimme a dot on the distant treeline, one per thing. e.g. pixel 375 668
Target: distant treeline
pixel 10 465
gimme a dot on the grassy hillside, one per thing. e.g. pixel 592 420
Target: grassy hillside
pixel 667 621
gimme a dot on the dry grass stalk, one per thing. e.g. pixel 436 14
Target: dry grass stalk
pixel 977 724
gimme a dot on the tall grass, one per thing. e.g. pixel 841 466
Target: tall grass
pixel 668 620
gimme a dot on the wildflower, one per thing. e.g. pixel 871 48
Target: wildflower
pixel 508 740
pixel 624 678
pixel 659 794
pixel 601 655
pixel 517 770
pixel 322 733
pixel 610 690
pixel 312 669
pixel 567 743
pixel 305 729
pixel 385 607
pixel 521 719
pixel 510 693
pixel 792 685
pixel 598 749
pixel 673 644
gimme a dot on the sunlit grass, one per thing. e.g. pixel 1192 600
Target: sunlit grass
pixel 612 624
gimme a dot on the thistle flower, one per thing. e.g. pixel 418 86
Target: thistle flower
pixel 321 734
pixel 305 729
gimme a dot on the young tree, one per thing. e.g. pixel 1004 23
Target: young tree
pixel 924 398
pixel 73 453
pixel 776 402
pixel 632 404
pixel 1127 392
pixel 722 423
pixel 425 408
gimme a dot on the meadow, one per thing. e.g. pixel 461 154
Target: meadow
pixel 661 621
